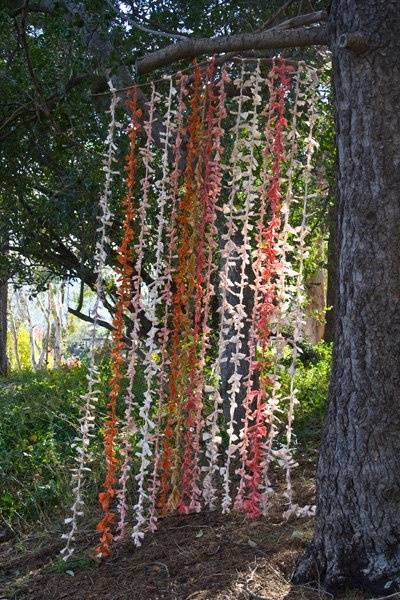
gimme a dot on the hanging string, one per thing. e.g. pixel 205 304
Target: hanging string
pixel 205 244
pixel 136 309
pixel 150 361
pixel 311 84
pixel 124 272
pixel 184 280
pixel 211 434
pixel 172 185
pixel 283 288
pixel 262 415
pixel 251 193
pixel 87 421
pixel 258 288
pixel 231 317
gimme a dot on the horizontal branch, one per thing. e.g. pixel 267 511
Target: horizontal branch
pixel 89 319
pixel 303 20
pixel 192 48
pixel 156 32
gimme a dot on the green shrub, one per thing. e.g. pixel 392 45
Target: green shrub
pixel 39 414
pixel 311 381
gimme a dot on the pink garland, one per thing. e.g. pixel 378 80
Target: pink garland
pixel 214 177
pixel 257 431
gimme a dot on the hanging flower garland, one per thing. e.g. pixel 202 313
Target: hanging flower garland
pixel 86 422
pixel 175 469
pixel 211 434
pixel 150 362
pixel 209 174
pixel 234 254
pixel 261 415
pixel 181 358
pixel 297 316
pixel 283 287
pixel 258 288
pixel 170 187
pixel 125 272
pixel 135 310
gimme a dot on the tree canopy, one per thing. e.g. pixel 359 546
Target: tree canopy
pixel 55 57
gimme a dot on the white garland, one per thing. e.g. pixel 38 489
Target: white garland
pixel 86 422
pixel 243 152
pixel 151 358
pixel 252 194
pixel 172 185
pixel 311 82
pixel 284 290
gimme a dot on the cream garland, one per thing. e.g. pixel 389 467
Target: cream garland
pixel 243 152
pixel 86 423
pixel 166 294
pixel 151 358
pixel 311 82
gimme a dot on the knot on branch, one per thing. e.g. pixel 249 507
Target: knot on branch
pixel 356 41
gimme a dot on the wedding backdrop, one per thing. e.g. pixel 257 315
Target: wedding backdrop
pixel 210 278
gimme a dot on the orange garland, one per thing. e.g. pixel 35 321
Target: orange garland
pixel 185 283
pixel 124 271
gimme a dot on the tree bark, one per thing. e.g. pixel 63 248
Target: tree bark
pixel 3 328
pixel 357 534
pixel 332 279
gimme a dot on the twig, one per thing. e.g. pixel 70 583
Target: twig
pixel 157 32
pixel 272 19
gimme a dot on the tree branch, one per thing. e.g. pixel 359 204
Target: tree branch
pixel 89 319
pixel 156 32
pixel 191 48
pixel 303 20
pixel 273 18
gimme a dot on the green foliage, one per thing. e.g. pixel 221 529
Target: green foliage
pixel 24 350
pixel 311 382
pixel 52 127
pixel 38 416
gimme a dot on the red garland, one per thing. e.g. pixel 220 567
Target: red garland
pixel 257 431
pixel 124 272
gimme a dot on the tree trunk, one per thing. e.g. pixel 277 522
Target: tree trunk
pixel 357 535
pixel 227 366
pixel 314 318
pixel 14 333
pixel 332 283
pixel 3 328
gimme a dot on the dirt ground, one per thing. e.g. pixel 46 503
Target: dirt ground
pixel 206 556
